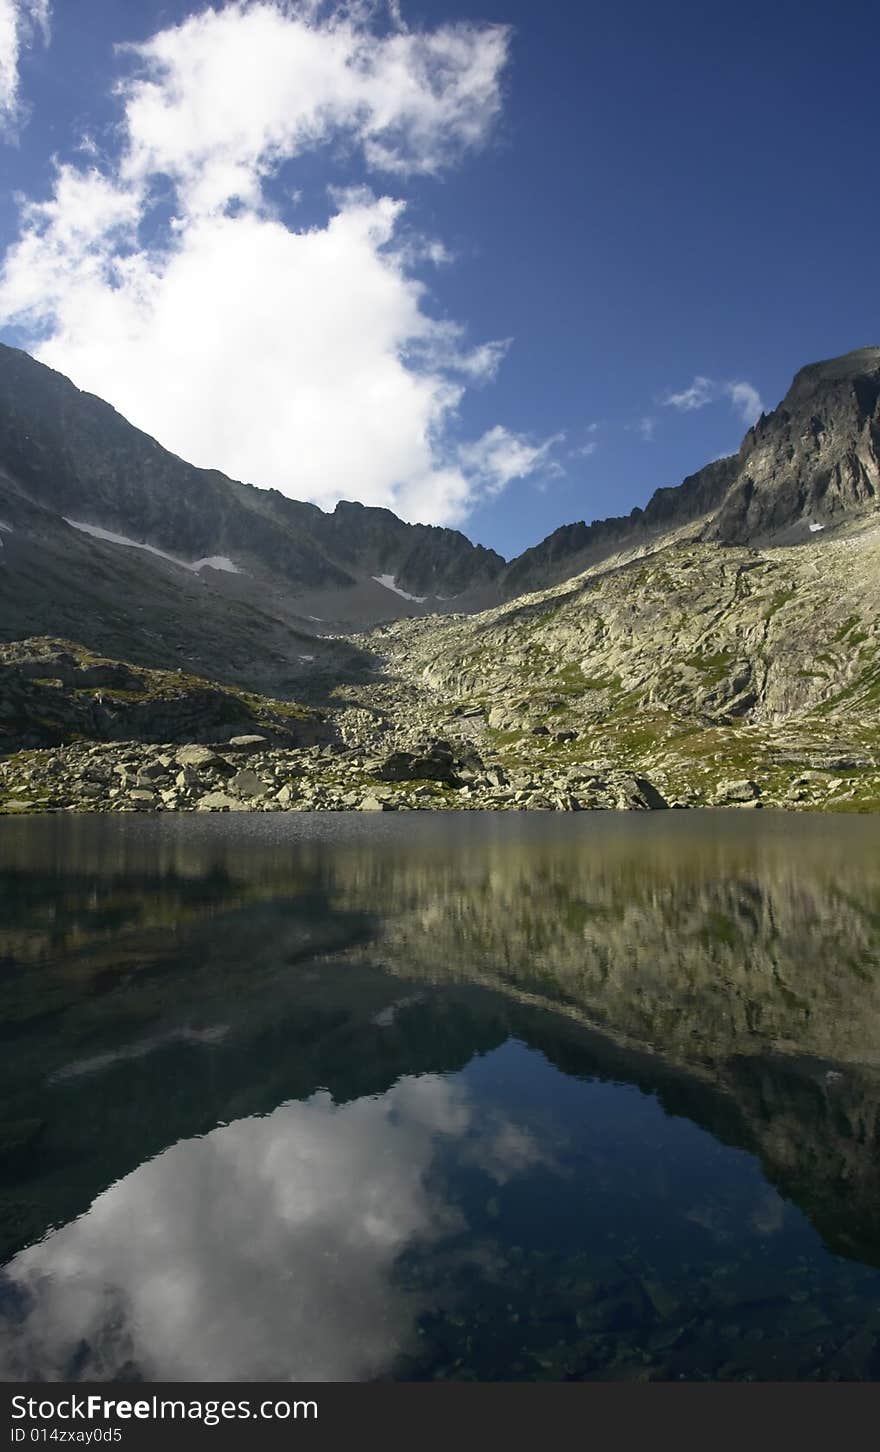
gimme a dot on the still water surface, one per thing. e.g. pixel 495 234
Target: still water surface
pixel 501 1097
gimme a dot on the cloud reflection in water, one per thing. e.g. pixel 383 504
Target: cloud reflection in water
pixel 263 1251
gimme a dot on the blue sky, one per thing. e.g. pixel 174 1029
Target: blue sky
pixel 455 256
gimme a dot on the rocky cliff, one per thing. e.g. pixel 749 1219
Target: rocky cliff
pixel 814 461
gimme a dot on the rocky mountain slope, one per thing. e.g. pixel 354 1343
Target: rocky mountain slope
pixel 720 647
pixel 728 675
pixel 688 676
pixel 812 462
pixel 92 509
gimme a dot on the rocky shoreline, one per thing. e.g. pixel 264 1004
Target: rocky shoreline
pixel 249 774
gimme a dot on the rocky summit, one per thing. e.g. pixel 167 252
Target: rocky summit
pixel 719 648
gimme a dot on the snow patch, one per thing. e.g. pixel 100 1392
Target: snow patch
pixel 307 657
pixel 391 584
pixel 110 537
pixel 7 528
pixel 215 562
pixel 814 528
pixel 210 562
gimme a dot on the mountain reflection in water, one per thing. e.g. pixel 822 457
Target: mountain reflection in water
pixel 532 1097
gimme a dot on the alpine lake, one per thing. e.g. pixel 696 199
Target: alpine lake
pixel 493 1097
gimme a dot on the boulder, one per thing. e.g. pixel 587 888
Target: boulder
pixel 436 763
pixel 248 784
pixel 220 802
pixel 736 791
pixel 151 772
pixel 638 794
pixel 198 757
pixel 500 718
pixel 246 744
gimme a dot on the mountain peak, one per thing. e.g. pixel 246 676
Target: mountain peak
pixel 814 461
pixel 859 362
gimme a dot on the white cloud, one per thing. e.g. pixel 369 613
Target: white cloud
pixel 481 364
pixel 298 74
pixel 20 22
pixel 701 392
pixel 744 397
pixel 500 456
pixel 305 360
pixel 646 426
pixel 265 1250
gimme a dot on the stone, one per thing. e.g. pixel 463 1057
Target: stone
pixel 637 793
pixel 152 771
pixel 198 757
pixel 220 802
pixel 435 764
pixel 246 744
pixel 375 804
pixel 248 784
pixel 736 791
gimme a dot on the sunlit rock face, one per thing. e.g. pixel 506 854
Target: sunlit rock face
pixel 815 460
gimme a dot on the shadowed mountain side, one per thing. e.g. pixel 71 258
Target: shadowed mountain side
pixel 74 455
pixel 131 605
